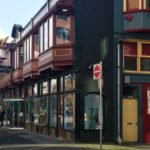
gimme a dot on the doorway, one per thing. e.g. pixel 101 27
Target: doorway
pixel 130 120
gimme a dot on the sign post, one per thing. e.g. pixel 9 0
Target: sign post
pixel 97 75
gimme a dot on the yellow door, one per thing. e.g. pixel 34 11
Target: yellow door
pixel 130 120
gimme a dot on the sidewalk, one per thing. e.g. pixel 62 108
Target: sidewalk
pixel 24 140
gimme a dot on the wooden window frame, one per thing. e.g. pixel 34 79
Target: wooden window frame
pixel 71 32
pixel 139 56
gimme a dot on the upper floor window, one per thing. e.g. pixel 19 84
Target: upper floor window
pixel 46 35
pixel 137 57
pixel 28 49
pixel 36 44
pixel 130 5
pixel 63 29
pixel 51 31
pixel 21 50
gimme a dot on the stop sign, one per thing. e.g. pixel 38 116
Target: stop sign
pixel 97 71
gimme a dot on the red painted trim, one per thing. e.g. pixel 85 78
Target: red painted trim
pixel 137 30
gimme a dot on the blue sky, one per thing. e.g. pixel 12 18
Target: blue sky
pixel 18 12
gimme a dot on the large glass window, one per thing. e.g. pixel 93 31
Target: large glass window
pixel 63 29
pixel 35 110
pixel 27 110
pixel 69 82
pixel 45 87
pixel 53 110
pixel 91 111
pixel 53 85
pixel 35 89
pixel 69 111
pixel 43 110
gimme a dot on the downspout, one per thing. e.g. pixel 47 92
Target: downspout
pixel 119 140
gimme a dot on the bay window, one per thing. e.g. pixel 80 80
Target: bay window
pixel 63 29
pixel 45 35
pixel 51 31
pixel 132 5
pixel 41 39
pixel 36 44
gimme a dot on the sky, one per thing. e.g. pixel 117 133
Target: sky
pixel 18 12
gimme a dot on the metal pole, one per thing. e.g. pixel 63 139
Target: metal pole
pixel 100 113
pixel 100 109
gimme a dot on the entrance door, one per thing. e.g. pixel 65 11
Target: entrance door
pixel 130 120
pixel 60 116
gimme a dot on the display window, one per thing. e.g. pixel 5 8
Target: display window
pixel 91 112
pixel 53 110
pixel 69 111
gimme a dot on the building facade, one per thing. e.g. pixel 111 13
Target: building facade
pixel 52 90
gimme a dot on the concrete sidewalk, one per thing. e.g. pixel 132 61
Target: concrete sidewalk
pixel 24 140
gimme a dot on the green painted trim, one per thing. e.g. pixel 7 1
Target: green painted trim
pixel 137 78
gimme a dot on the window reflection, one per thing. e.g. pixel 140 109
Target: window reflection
pixel 54 85
pixel 91 110
pixel 70 82
pixel 63 29
pixel 69 113
pixel 53 110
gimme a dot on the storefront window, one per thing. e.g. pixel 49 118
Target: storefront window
pixel 63 29
pixel 30 91
pixel 53 110
pixel 35 110
pixel 53 85
pixel 70 82
pixel 45 87
pixel 43 110
pixel 35 89
pixel 91 109
pixel 27 110
pixel 69 111
pixel 61 84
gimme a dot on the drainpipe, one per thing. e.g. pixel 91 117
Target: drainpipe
pixel 119 140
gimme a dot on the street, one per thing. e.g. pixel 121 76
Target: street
pixel 14 139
